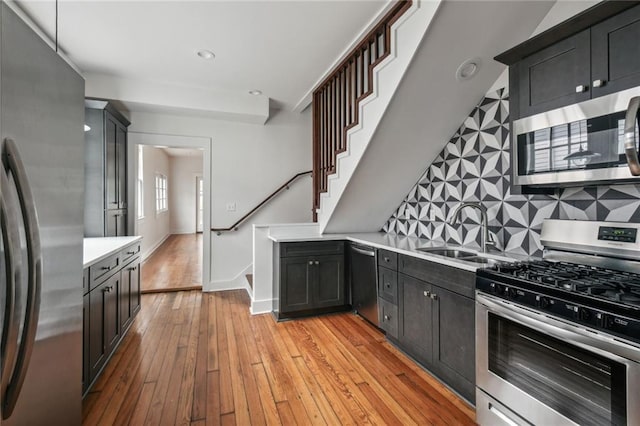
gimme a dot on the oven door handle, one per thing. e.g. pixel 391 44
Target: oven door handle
pixel 607 347
pixel 630 144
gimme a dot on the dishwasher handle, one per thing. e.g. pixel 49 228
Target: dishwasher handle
pixel 370 253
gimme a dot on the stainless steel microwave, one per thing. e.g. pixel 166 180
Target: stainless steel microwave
pixel 591 142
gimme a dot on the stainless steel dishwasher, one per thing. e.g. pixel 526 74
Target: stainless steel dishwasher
pixel 364 283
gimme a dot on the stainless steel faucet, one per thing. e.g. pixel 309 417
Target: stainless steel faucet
pixel 485 238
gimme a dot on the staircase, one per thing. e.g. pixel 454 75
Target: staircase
pixel 389 108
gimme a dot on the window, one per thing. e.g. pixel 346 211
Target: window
pixel 140 185
pixel 161 193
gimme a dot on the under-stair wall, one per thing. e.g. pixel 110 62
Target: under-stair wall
pixel 418 103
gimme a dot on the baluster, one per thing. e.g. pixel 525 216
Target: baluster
pixel 343 88
pixel 339 126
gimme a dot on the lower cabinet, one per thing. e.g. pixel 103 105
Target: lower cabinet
pixel 109 307
pixel 310 279
pixel 437 322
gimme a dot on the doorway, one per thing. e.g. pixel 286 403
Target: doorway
pixel 174 211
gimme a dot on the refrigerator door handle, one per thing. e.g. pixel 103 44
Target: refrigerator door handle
pixel 13 164
pixel 630 143
pixel 11 242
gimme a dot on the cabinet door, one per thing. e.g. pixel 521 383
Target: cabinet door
pixel 98 345
pixel 549 78
pixel 296 282
pixel 124 299
pixel 329 282
pixel 454 340
pixel 415 328
pixel 86 333
pixel 111 162
pixel 121 166
pixel 134 286
pixel 615 52
pixel 115 223
pixel 111 311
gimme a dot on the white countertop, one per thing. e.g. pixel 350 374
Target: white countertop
pixel 96 249
pixel 403 245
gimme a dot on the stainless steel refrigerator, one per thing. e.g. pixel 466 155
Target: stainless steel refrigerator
pixel 41 218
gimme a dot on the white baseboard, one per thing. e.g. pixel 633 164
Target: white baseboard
pixel 261 306
pixel 239 282
pixel 155 247
pixel 182 231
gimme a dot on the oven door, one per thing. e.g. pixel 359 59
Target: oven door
pixel 551 372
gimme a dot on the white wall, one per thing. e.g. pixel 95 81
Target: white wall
pixel 182 193
pixel 248 163
pixel 154 228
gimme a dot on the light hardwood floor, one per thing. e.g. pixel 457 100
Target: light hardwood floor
pixel 175 265
pixel 201 359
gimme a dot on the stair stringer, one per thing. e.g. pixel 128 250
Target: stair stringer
pixel 406 35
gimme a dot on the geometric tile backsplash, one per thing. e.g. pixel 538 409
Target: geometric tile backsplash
pixel 475 166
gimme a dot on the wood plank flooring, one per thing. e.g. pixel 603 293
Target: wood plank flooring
pixel 176 265
pixel 201 359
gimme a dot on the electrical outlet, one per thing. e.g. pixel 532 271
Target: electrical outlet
pixel 231 207
pixel 432 214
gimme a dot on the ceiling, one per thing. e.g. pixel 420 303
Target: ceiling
pixel 279 47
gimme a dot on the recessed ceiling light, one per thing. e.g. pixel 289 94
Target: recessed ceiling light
pixel 86 128
pixel 255 92
pixel 468 69
pixel 206 54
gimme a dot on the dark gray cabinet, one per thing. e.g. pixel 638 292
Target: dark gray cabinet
pixel 111 301
pixel 615 53
pixel 415 330
pixel 437 320
pixel 549 78
pixel 105 170
pixel 590 55
pixel 310 278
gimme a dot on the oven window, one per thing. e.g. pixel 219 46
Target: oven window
pixel 582 386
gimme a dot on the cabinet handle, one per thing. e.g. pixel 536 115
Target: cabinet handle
pixel 434 296
pixel 317 262
pixel 311 262
pixel 598 83
pixel 106 268
pixel 386 259
pixel 581 88
pixel 387 285
pixel 133 268
pixel 387 317
pixel 131 252
pixel 426 294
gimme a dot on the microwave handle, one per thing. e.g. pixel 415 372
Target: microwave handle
pixel 630 145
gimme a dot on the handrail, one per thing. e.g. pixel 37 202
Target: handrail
pixel 239 222
pixel 336 100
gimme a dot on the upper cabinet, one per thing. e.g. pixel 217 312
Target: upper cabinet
pixel 105 170
pixel 592 54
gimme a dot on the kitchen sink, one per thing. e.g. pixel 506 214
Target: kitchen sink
pixel 448 252
pixel 485 261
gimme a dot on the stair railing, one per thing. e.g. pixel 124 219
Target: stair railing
pixel 336 99
pixel 240 221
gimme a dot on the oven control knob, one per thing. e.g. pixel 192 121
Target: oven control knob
pixel 603 320
pixel 584 314
pixel 513 293
pixel 543 302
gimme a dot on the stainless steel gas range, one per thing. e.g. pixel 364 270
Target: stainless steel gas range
pixel 558 340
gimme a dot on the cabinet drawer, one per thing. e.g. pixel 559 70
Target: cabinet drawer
pixel 130 252
pixel 388 284
pixel 388 313
pixel 103 269
pixel 388 259
pixel 311 248
pixel 454 279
